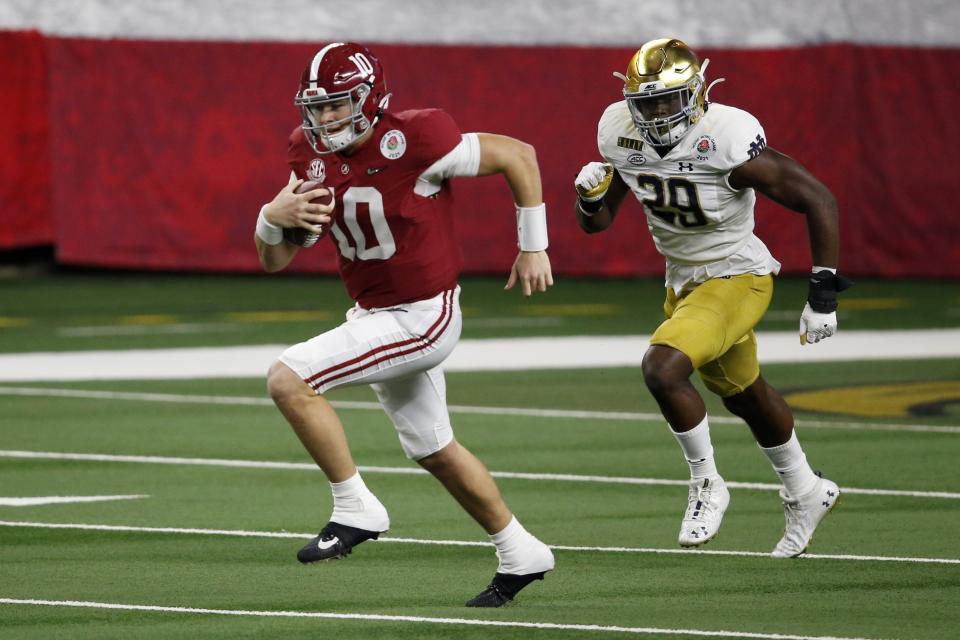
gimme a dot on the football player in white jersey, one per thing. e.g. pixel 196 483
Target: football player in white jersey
pixel 695 168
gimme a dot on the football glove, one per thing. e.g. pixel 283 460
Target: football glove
pixel 819 318
pixel 815 327
pixel 593 181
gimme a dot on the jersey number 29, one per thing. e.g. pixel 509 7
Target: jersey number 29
pixel 674 200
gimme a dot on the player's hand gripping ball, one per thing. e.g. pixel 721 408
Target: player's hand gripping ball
pixel 305 237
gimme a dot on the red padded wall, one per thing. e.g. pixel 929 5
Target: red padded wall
pixel 162 152
pixel 26 215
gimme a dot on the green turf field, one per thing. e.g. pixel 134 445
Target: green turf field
pixel 121 311
pixel 229 494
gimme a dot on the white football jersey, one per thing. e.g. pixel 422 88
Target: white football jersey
pixel 699 223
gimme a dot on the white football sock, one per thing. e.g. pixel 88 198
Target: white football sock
pixel 355 506
pixel 698 450
pixel 790 463
pixel 519 552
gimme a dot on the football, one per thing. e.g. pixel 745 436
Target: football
pixel 304 237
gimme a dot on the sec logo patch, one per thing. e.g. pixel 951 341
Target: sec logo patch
pixel 393 144
pixel 316 171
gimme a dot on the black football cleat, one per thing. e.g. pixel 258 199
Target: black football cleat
pixel 334 541
pixel 503 589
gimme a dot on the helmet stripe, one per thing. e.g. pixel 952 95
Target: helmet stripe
pixel 317 59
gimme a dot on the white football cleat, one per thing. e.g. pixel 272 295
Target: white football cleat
pixel 706 502
pixel 803 515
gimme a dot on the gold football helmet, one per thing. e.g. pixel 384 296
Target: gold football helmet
pixel 664 89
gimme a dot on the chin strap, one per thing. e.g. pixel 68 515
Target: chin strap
pixel 703 78
pixel 381 107
pixel 706 94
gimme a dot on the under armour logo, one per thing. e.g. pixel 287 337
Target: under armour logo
pixel 757 146
pixel 685 166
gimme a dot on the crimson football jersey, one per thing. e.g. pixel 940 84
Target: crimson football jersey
pixel 394 244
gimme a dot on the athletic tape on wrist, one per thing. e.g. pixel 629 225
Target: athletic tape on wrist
pixel 267 231
pixel 532 228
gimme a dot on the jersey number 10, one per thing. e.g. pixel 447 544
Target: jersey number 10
pixel 385 245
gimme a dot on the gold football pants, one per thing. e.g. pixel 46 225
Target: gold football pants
pixel 713 326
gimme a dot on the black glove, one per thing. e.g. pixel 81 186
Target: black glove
pixel 824 287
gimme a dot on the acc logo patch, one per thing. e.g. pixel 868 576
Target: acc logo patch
pixel 393 144
pixel 316 170
pixel 704 146
pixel 637 159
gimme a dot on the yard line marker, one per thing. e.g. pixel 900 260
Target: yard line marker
pixel 631 416
pixel 464 543
pixel 44 500
pixel 92 394
pixel 513 475
pixel 203 462
pixel 416 619
pixel 237 533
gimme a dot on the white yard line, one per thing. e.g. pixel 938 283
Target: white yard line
pixel 514 475
pixel 44 500
pixel 567 414
pixel 373 617
pixel 501 354
pixel 465 543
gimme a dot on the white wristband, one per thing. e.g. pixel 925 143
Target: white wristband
pixel 532 228
pixel 267 231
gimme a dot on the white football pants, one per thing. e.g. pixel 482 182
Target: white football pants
pixel 398 351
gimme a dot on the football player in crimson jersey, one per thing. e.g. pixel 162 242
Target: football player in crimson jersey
pixel 392 222
pixel 695 167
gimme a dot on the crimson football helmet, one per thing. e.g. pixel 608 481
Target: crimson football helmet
pixel 341 74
